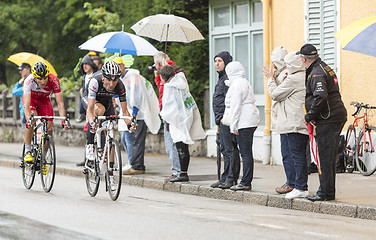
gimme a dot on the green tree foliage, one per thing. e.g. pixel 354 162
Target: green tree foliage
pixel 55 28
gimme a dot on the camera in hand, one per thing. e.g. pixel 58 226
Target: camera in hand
pixel 150 68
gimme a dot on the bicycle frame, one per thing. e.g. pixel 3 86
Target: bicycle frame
pixel 364 129
pixel 366 146
pixel 43 124
pixel 104 155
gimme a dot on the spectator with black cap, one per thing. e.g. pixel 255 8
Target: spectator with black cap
pixel 327 112
pixel 25 71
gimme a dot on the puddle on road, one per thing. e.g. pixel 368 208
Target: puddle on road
pixel 15 227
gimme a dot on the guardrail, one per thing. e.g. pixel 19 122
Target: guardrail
pixel 9 105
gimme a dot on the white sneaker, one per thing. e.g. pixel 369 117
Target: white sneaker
pixel 127 167
pixel 295 193
pixel 112 183
pixel 90 152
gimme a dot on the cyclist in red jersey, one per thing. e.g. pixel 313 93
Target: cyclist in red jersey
pixel 36 99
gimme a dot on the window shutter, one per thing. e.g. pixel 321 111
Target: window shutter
pixel 321 26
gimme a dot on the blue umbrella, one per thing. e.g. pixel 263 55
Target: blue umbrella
pixel 359 36
pixel 119 42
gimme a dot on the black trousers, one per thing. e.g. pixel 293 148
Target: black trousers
pixel 184 158
pixel 327 138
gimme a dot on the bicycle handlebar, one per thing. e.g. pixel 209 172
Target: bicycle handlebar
pixel 112 117
pixel 359 106
pixel 43 118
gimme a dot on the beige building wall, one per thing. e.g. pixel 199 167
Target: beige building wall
pixel 357 71
pixel 287 24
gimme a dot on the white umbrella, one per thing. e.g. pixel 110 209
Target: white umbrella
pixel 167 28
pixel 119 42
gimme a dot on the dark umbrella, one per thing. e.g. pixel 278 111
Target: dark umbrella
pixel 217 140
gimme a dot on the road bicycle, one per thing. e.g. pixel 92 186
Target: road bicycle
pixel 361 149
pixel 43 153
pixel 107 159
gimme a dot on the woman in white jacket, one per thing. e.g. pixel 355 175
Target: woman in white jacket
pixel 244 118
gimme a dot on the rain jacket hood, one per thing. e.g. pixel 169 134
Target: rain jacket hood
pixel 87 60
pixel 293 63
pixel 277 57
pixel 227 58
pixel 234 70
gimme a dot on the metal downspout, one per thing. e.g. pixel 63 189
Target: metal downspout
pixel 266 43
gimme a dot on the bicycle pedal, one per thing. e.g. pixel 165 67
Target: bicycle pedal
pixel 85 171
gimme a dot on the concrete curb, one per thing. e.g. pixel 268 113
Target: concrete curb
pixel 260 198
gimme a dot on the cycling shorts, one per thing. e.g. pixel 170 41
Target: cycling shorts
pixel 43 107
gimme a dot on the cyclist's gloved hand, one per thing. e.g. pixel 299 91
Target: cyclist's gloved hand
pixel 92 127
pixel 28 124
pixel 65 125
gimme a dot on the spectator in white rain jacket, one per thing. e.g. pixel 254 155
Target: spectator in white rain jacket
pixel 244 118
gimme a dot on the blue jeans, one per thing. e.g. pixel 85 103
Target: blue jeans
pixel 127 139
pixel 230 152
pixel 245 141
pixel 172 152
pixel 23 121
pixel 293 150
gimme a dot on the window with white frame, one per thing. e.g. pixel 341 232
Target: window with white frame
pixel 320 22
pixel 236 27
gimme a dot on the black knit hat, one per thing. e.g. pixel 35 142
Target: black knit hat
pixel 226 56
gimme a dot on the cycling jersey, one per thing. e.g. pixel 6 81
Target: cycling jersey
pixel 40 98
pixel 97 91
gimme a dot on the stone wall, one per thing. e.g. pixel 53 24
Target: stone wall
pixel 11 131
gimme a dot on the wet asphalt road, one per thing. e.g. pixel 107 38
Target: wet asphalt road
pixel 68 212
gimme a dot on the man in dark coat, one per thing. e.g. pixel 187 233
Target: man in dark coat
pixel 228 142
pixel 326 110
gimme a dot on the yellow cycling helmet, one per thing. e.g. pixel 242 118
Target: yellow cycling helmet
pixel 40 70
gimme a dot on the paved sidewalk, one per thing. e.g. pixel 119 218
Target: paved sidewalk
pixel 355 197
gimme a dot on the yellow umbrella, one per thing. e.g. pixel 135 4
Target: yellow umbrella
pixel 30 58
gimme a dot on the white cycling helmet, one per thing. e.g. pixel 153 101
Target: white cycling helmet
pixel 111 70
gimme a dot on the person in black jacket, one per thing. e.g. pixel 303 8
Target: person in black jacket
pixel 229 147
pixel 326 110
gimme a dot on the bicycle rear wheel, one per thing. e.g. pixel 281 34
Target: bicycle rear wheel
pixel 114 174
pixel 350 148
pixel 48 164
pixel 366 156
pixel 92 176
pixel 28 171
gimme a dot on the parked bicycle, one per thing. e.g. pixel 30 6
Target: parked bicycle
pixel 107 159
pixel 360 150
pixel 43 153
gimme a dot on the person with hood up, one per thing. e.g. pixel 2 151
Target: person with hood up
pixel 88 67
pixel 228 144
pixel 244 118
pixel 289 97
pixel 180 111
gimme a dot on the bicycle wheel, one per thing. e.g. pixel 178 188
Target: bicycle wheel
pixel 48 163
pixel 349 151
pixel 28 171
pixel 114 175
pixel 365 155
pixel 92 176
